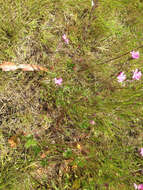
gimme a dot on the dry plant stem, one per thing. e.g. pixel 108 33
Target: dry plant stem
pixel 94 7
pixel 120 56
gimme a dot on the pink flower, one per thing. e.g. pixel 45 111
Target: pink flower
pixel 121 77
pixel 58 81
pixel 66 40
pixel 135 55
pixel 138 187
pixel 92 122
pixel 136 75
pixel 141 151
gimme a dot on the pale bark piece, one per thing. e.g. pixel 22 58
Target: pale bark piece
pixel 28 67
pixel 8 66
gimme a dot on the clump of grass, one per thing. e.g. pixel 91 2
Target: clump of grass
pixel 85 133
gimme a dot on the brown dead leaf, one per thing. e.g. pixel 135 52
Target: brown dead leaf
pixel 13 141
pixel 8 66
pixel 43 155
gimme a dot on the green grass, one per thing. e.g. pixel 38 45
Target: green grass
pixel 56 146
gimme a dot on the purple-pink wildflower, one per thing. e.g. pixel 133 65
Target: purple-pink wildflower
pixel 136 74
pixel 58 81
pixel 121 77
pixel 138 187
pixel 141 151
pixel 135 54
pixel 92 122
pixel 66 40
